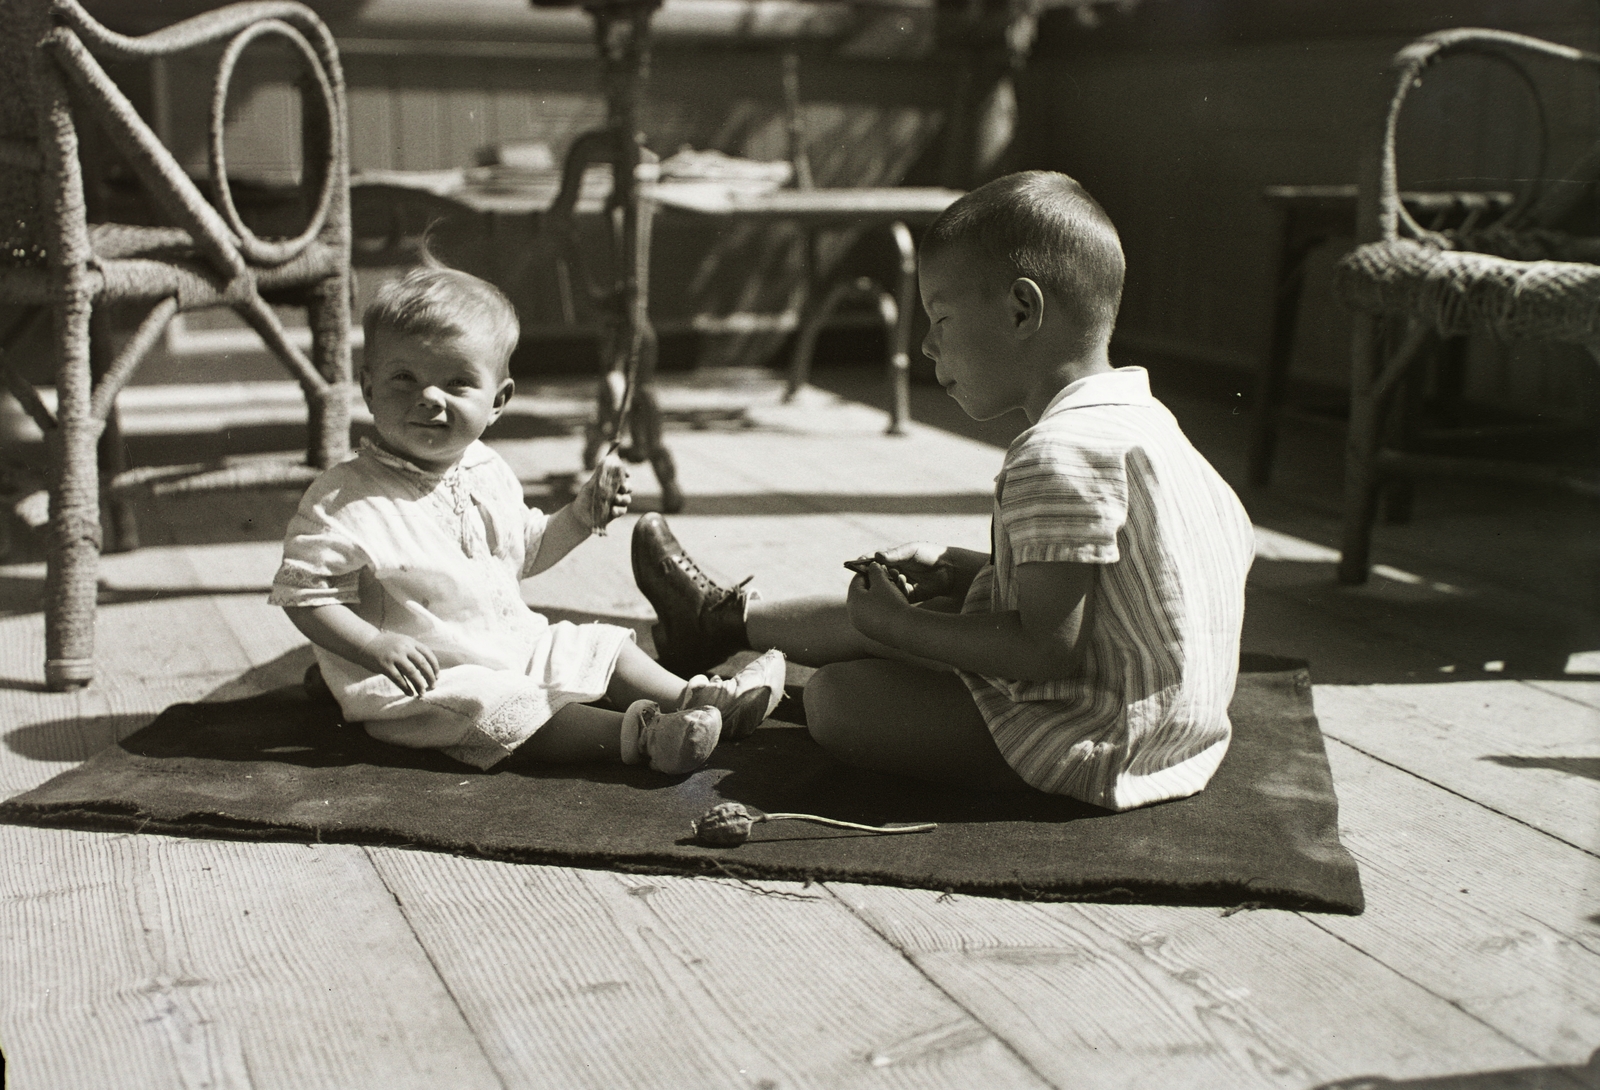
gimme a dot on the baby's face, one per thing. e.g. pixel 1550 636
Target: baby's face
pixel 969 332
pixel 431 397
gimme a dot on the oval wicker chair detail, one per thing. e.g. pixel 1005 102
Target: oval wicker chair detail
pixel 55 262
pixel 1521 278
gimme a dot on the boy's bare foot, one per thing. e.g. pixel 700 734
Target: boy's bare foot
pixel 745 699
pixel 701 623
pixel 673 742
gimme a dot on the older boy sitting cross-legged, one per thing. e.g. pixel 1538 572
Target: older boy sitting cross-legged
pixel 1093 651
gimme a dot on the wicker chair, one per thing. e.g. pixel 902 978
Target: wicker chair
pixel 57 263
pixel 1529 276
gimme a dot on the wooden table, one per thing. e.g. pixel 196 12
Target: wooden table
pixel 393 208
pixel 893 209
pixel 628 419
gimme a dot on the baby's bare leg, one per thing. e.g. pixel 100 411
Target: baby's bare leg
pixel 576 734
pixel 904 719
pixel 672 742
pixel 637 676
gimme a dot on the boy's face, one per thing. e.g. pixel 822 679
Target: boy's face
pixel 431 397
pixel 971 332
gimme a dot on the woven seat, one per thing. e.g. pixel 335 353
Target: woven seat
pixel 59 262
pixel 1461 292
pixel 1523 279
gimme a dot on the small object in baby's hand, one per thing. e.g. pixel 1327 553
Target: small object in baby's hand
pixel 609 477
pixel 860 565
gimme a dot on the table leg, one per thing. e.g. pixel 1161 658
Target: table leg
pixel 895 310
pixel 1274 377
pixel 629 415
pixel 905 297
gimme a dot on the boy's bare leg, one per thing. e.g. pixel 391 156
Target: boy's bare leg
pixel 816 631
pixel 811 631
pixel 907 720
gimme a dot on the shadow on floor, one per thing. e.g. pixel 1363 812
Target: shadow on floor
pixel 72 739
pixel 1586 767
pixel 1388 632
pixel 1563 1077
pixel 25 594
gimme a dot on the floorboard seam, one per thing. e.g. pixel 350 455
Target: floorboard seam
pixel 905 954
pixel 1452 791
pixel 1454 1003
pixel 444 981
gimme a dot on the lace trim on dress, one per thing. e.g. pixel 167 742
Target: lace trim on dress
pixel 452 480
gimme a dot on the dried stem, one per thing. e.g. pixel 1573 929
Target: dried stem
pixel 849 824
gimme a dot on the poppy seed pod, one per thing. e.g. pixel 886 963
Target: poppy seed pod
pixel 725 825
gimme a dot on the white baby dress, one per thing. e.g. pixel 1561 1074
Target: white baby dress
pixel 439 557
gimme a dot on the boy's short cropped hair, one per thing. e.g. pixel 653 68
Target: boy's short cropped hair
pixel 1044 226
pixel 434 300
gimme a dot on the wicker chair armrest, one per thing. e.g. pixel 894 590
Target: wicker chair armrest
pixel 326 169
pixel 204 29
pixel 1381 214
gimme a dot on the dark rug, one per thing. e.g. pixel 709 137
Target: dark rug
pixel 280 766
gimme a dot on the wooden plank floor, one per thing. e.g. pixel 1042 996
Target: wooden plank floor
pixel 1459 691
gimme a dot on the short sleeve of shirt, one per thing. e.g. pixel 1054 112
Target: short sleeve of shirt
pixel 1061 501
pixel 534 523
pixel 322 562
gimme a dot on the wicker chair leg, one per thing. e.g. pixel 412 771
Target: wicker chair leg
pixel 328 426
pixel 121 520
pixel 1361 455
pixel 122 516
pixel 73 543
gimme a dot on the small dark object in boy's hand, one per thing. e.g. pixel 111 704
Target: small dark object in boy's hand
pixel 861 564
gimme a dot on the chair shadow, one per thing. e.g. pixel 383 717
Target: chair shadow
pixel 25 594
pixel 73 739
pixel 1425 635
pixel 78 739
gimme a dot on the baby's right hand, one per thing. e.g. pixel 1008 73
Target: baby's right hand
pixel 406 662
pixel 605 496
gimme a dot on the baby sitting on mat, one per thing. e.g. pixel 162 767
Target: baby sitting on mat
pixel 402 567
pixel 1093 651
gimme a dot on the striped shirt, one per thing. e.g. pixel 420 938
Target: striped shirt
pixel 1106 477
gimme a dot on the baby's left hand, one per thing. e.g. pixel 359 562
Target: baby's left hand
pixel 874 600
pixel 605 495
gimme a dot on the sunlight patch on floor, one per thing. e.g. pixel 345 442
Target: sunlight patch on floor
pixel 1276 545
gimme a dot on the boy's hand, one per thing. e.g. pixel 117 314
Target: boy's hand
pixel 406 662
pixel 873 603
pixel 605 495
pixel 923 565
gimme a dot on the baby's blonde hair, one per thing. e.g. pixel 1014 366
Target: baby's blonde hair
pixel 434 300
